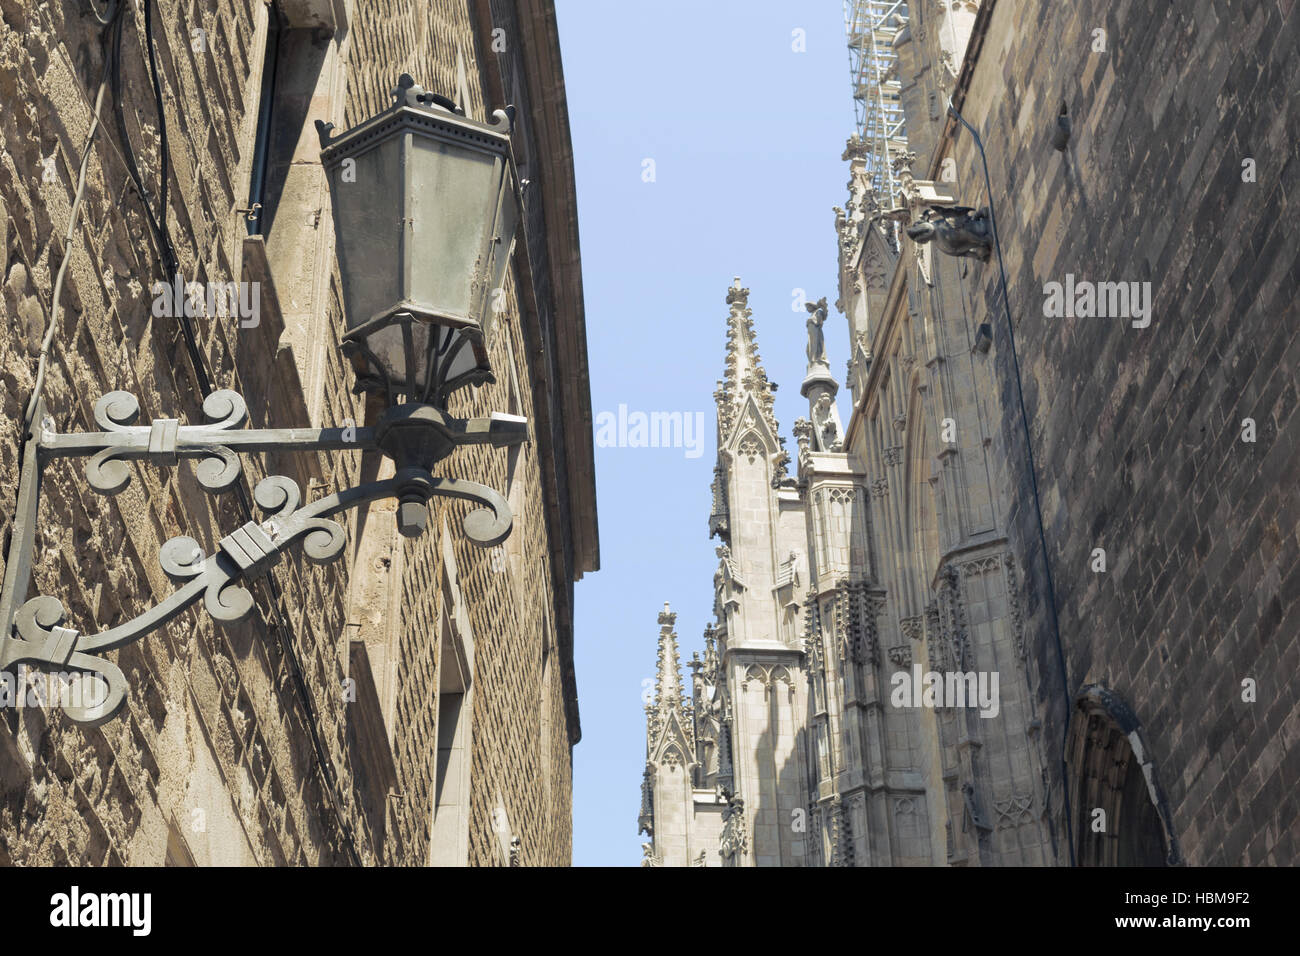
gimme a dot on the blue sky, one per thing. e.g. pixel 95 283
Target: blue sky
pixel 746 135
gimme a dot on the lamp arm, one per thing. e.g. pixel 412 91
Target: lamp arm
pixel 499 430
pixel 165 441
pixel 221 579
pixel 33 633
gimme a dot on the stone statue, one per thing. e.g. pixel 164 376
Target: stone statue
pixel 956 230
pixel 733 843
pixel 816 340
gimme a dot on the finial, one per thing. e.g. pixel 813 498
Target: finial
pixel 410 93
pixel 737 293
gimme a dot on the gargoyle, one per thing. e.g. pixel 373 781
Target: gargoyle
pixel 956 230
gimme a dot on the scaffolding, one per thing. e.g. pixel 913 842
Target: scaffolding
pixel 871 26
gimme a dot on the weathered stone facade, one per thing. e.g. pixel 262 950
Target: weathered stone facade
pixel 413 703
pixel 1158 723
pixel 1138 432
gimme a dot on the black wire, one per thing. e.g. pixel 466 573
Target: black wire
pixel 171 267
pixel 128 151
pixel 171 262
pixel 1050 587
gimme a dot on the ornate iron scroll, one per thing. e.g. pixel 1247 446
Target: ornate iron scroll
pixel 34 633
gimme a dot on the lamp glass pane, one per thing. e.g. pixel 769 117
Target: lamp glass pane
pixel 453 200
pixel 464 360
pixel 387 345
pixel 368 215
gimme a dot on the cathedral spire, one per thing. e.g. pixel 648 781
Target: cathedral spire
pixel 744 374
pixel 668 686
pixel 743 359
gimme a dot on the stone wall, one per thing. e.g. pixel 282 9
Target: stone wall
pixel 1138 432
pixel 218 757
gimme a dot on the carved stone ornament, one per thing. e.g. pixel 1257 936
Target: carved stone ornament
pixel 901 655
pixel 734 842
pixel 956 230
pixel 1015 810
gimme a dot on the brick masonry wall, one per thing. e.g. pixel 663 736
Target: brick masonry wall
pixel 510 604
pixel 212 744
pixel 1138 432
pixel 216 730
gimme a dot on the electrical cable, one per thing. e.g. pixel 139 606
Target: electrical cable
pixel 171 263
pixel 1033 485
pixel 111 77
pixel 73 218
pixel 106 19
pixel 199 365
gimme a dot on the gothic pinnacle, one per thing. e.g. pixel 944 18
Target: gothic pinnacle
pixel 743 359
pixel 668 687
pixel 744 374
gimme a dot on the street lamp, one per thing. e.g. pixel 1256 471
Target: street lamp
pixel 425 208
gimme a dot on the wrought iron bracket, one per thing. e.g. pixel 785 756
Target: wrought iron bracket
pixel 415 436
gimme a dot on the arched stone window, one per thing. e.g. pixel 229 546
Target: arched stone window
pixel 1121 816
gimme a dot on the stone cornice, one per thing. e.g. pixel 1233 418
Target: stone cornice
pixel 563 430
